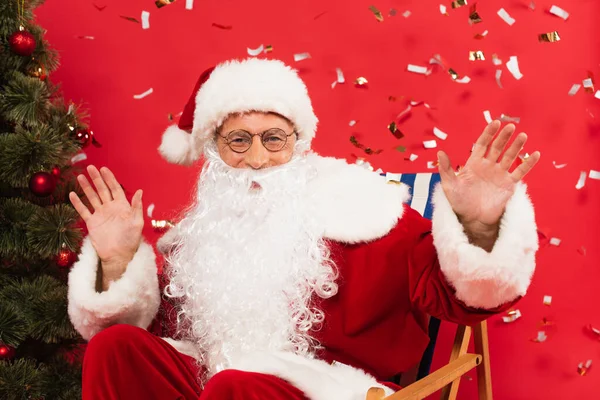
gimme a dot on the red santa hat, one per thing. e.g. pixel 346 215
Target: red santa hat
pixel 237 87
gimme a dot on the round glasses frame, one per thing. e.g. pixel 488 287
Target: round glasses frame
pixel 229 137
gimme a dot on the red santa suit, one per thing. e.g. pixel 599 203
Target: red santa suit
pixel 395 269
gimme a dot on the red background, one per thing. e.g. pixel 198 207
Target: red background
pixel 124 60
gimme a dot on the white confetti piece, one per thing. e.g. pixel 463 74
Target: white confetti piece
pixel 145 20
pixel 379 171
pixel 581 181
pixel 507 18
pixel 86 37
pixel 431 164
pixel 496 60
pixel 71 108
pixel 430 144
pixel 532 5
pixel 361 162
pixel 547 300
pixel 443 9
pixel 439 134
pixel 256 51
pixel 507 118
pixel 78 157
pixel 301 56
pixel 558 166
pixel 597 95
pixel 150 210
pixel 406 14
pixel 413 157
pixel 512 316
pixel 588 83
pixel 352 123
pixel 498 76
pixel 189 4
pixel 594 174
pixel 142 95
pixel 559 12
pixel 333 84
pixel 464 79
pixel 340 75
pixel 555 241
pixel 417 69
pixel 392 177
pixel 513 66
pixel 541 337
pixel 574 89
pixel 487 116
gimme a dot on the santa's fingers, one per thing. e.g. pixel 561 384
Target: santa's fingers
pixel 81 209
pixel 445 168
pixel 526 166
pixel 485 139
pixel 136 203
pixel 513 151
pixel 116 190
pixel 498 145
pixel 89 191
pixel 101 187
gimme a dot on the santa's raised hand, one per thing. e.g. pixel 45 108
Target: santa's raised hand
pixel 478 193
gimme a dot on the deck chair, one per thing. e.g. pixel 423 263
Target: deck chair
pixel 447 378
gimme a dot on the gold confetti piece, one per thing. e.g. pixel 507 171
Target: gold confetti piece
pixel 268 48
pixel 559 12
pixel 78 157
pixel 340 75
pixel 226 27
pixel 150 210
pixel 439 134
pixel 367 150
pixel 594 174
pixel 549 37
pixel 476 55
pixel 480 36
pixel 459 3
pixel 406 14
pixel 361 81
pixel 558 166
pixel 256 51
pixel 581 181
pixel 507 18
pixel 513 66
pixel 452 73
pixel 417 69
pixel 142 95
pixel 547 300
pixel 393 12
pixel 584 367
pixel 430 144
pixel 574 89
pixel 131 19
pixel 301 56
pixel 395 131
pixel 162 3
pixel 161 225
pixel 507 118
pixel 498 76
pixel 145 20
pixel 401 149
pixel 474 17
pixel 377 13
pixel 541 337
pixel 487 116
pixel 512 316
pixel 443 10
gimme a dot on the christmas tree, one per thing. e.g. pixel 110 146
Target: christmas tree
pixel 39 228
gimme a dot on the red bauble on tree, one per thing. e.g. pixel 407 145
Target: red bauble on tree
pixel 22 43
pixel 66 258
pixel 6 352
pixel 83 136
pixel 42 184
pixel 56 172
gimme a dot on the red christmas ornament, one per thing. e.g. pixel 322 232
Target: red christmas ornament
pixel 6 352
pixel 42 184
pixel 22 43
pixel 56 172
pixel 66 258
pixel 84 137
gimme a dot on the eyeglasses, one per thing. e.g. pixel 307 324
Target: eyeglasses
pixel 240 141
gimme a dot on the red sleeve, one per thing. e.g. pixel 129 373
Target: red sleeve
pixel 430 291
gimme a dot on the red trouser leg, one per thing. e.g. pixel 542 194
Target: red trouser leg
pixel 232 384
pixel 126 362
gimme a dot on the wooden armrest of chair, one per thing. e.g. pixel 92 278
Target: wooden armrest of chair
pixel 433 382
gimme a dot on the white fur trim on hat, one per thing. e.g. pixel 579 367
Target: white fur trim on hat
pixel 252 85
pixel 176 146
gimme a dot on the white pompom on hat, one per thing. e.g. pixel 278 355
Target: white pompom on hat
pixel 237 87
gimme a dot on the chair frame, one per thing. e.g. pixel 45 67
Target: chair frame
pixel 448 377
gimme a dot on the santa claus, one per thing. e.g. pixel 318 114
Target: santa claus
pixel 292 275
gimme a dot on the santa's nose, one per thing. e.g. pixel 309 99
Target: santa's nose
pixel 257 157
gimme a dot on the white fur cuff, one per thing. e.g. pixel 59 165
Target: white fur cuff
pixel 133 299
pixel 481 279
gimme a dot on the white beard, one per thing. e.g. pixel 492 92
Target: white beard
pixel 247 262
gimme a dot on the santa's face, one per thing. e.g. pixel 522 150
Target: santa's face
pixel 277 151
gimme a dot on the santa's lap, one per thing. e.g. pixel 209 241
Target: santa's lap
pixel 127 362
